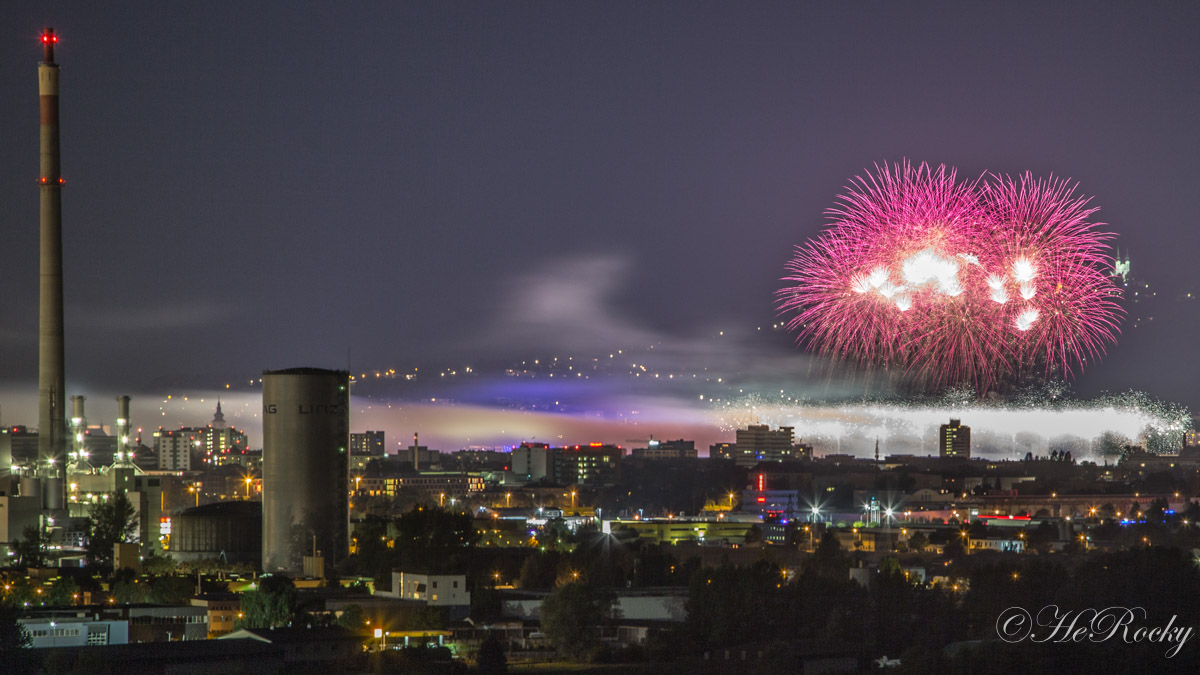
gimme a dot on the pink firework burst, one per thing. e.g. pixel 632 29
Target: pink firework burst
pixel 953 282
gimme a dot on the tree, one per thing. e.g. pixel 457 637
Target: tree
pixel 431 539
pixel 110 521
pixel 170 589
pixel 271 606
pixel 918 541
pixel 127 589
pixel 373 557
pixel 425 618
pixel 954 547
pixel 13 635
pixel 1156 512
pixel 491 660
pixel 1135 510
pixel 485 602
pixel 554 534
pixel 1041 536
pixel 353 618
pixel 31 547
pixel 539 570
pixel 63 592
pixel 159 564
pixel 569 615
pixel 828 560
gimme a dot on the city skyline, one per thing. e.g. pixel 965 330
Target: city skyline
pixel 690 336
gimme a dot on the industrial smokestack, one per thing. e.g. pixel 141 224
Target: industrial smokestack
pixel 51 381
pixel 123 424
pixel 77 414
pixel 78 429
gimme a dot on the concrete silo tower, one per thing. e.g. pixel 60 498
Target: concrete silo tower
pixel 305 474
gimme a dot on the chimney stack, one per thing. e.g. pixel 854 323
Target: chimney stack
pixel 51 380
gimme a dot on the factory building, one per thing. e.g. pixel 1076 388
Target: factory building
pixel 305 473
pixel 231 531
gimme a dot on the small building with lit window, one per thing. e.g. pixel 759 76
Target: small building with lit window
pixel 434 590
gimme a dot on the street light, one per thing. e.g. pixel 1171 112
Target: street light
pixel 249 480
pixel 507 499
pixel 572 499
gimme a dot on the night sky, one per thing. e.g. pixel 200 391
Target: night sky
pixel 394 185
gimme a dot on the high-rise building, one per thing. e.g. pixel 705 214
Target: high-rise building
pixel 529 462
pixel 954 440
pixel 217 444
pixel 176 447
pixel 365 448
pixel 189 448
pixel 305 473
pixel 758 443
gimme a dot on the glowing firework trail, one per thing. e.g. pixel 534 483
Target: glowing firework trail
pixel 955 282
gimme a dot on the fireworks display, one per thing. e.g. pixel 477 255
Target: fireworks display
pixel 951 282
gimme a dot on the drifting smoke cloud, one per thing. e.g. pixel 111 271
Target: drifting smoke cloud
pixel 159 317
pixel 569 308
